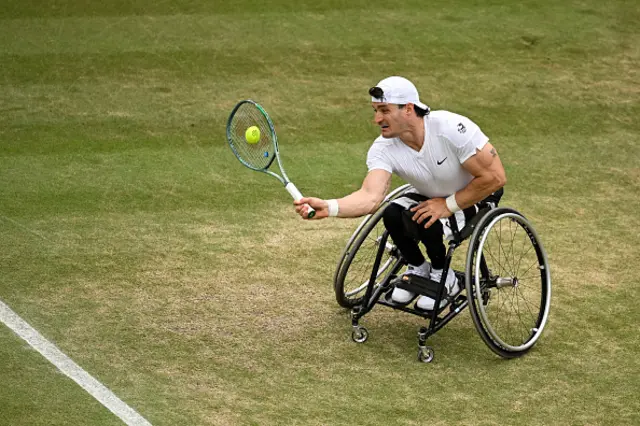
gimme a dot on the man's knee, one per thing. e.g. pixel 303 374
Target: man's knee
pixel 392 217
pixel 398 220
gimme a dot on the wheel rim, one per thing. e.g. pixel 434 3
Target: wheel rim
pixel 350 285
pixel 360 335
pixel 381 271
pixel 519 292
pixel 359 270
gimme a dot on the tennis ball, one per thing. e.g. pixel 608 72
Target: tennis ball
pixel 252 135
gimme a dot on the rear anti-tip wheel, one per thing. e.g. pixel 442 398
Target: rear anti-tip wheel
pixel 359 334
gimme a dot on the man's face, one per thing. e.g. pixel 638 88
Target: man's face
pixel 390 118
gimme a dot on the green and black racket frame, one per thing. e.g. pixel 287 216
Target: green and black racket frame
pixel 258 156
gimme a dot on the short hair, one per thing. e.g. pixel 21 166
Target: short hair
pixel 378 93
pixel 419 111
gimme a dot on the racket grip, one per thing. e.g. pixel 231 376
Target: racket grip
pixel 291 188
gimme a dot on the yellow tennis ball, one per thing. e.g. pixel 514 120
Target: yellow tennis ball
pixel 252 135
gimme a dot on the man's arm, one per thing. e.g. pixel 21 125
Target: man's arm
pixel 488 177
pixel 359 203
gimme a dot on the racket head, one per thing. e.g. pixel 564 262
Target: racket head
pixel 257 156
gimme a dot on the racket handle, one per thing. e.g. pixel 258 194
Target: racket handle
pixel 291 188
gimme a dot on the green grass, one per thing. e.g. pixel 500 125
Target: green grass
pixel 132 238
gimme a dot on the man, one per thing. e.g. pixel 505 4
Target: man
pixel 444 156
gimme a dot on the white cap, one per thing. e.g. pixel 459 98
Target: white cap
pixel 399 90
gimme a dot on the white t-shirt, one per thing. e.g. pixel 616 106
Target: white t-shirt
pixel 436 171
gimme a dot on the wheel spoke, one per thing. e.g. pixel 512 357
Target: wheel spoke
pixel 503 250
pixel 524 241
pixel 524 324
pixel 531 276
pixel 521 257
pixel 527 306
pixel 501 269
pixel 529 268
pixel 515 230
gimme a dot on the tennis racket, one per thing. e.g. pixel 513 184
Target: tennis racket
pixel 258 154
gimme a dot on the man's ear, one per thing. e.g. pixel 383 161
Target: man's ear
pixel 408 109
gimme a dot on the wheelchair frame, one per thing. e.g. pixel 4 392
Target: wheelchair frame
pixel 479 281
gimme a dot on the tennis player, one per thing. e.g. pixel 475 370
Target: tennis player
pixel 451 165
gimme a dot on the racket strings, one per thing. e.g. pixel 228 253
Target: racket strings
pixel 256 155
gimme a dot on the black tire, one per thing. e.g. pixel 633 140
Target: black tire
pixel 508 282
pixel 355 268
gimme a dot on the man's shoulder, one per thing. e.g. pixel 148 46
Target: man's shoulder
pixel 446 120
pixel 389 141
pixel 454 127
pixel 381 142
pixel 380 154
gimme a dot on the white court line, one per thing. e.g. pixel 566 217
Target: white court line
pixel 70 368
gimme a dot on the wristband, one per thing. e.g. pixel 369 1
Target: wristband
pixel 333 207
pixel 452 205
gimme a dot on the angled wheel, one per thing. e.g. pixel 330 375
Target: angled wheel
pixel 425 354
pixel 356 263
pixel 359 334
pixel 353 278
pixel 508 281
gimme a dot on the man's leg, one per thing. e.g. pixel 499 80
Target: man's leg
pixel 432 238
pixel 406 243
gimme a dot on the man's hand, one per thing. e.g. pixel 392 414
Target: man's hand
pixel 433 209
pixel 320 205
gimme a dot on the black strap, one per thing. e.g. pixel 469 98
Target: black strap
pixel 473 215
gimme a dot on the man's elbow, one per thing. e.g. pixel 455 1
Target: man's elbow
pixel 374 203
pixel 373 206
pixel 495 180
pixel 499 180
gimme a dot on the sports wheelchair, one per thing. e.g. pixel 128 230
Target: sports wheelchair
pixel 507 282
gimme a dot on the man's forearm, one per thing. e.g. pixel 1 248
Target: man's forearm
pixel 357 204
pixel 477 190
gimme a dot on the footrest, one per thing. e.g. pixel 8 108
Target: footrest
pixel 419 285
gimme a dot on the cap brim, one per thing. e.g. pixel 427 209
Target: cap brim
pixel 420 105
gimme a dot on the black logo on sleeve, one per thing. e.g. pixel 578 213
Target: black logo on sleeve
pixel 440 162
pixel 461 128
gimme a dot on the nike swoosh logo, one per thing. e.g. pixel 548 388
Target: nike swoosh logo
pixel 440 162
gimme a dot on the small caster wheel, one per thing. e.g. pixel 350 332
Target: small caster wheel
pixel 425 354
pixel 359 334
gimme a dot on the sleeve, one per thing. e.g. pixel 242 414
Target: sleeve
pixel 378 159
pixel 465 136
